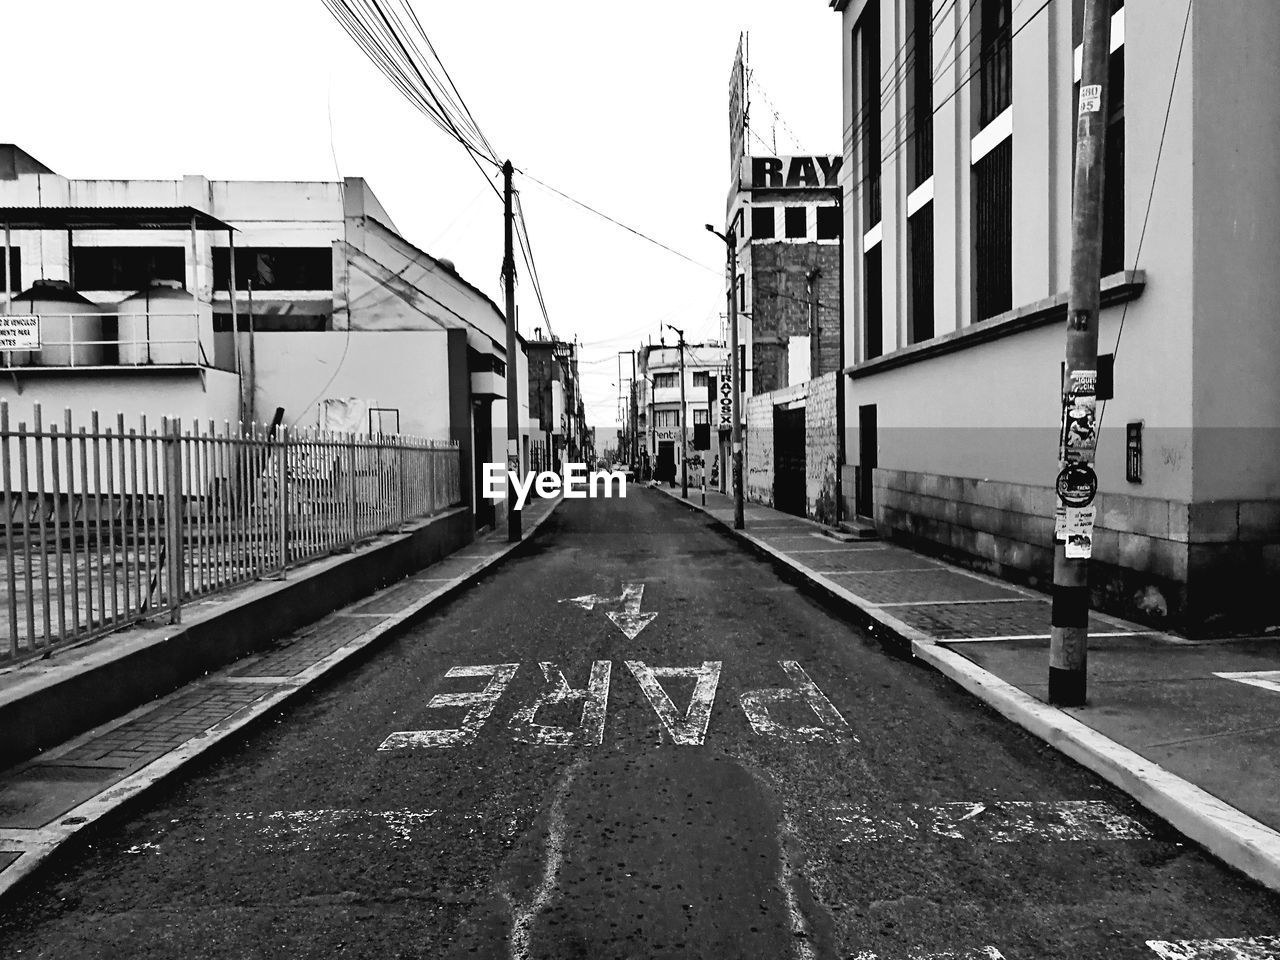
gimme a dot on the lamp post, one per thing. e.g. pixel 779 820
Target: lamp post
pixel 730 243
pixel 684 437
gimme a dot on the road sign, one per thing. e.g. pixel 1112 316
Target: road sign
pixel 20 332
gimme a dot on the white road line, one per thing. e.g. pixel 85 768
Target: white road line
pixel 1036 636
pixel 293 829
pixel 978 953
pixel 594 700
pixel 948 603
pixel 991 822
pixel 800 933
pixel 1266 679
pixel 1239 948
pixel 755 704
pixel 479 704
pixel 691 729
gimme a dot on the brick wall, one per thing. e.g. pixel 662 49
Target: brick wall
pixel 822 448
pixel 780 309
pixel 1200 567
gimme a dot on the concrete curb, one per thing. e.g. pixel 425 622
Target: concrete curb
pixel 1233 837
pixel 42 844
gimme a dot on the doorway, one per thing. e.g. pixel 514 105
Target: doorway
pixel 483 426
pixel 789 461
pixel 868 447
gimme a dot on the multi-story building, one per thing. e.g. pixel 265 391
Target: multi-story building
pixel 959 127
pixel 245 301
pixel 784 216
pixel 658 399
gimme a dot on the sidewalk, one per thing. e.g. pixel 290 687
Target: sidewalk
pixel 45 802
pixel 1188 729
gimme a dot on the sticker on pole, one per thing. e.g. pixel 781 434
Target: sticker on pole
pixel 20 333
pixel 1077 485
pixel 1079 532
pixel 1091 98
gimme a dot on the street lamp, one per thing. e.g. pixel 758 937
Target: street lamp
pixel 736 376
pixel 684 439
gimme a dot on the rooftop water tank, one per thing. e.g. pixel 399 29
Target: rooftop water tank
pixel 162 323
pixel 71 328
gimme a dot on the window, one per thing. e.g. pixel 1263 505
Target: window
pixel 867 118
pixel 666 418
pixel 920 91
pixel 762 223
pixel 796 223
pixel 873 306
pixel 993 231
pixel 665 381
pixel 15 270
pixel 700 378
pixel 126 268
pixel 995 59
pixel 700 416
pixel 275 268
pixel 828 223
pixel 1113 188
pixel 920 291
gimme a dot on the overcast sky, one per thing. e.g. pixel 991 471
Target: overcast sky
pixel 624 106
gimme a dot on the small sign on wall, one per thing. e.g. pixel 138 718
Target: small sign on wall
pixel 20 332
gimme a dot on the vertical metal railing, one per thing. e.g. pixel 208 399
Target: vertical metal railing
pixel 107 525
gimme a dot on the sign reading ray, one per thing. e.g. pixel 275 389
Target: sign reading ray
pixel 1011 821
pixel 594 700
pixel 478 704
pixel 691 729
pixel 755 704
pixel 629 619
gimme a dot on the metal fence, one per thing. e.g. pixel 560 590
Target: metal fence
pixel 106 526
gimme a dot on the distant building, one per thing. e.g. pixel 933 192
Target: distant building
pixel 658 397
pixel 957 183
pixel 339 320
pixel 556 409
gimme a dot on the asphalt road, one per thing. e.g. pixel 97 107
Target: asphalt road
pixel 759 781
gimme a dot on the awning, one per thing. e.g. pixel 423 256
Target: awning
pixel 109 218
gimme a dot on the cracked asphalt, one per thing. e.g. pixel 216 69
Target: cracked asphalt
pixel 808 837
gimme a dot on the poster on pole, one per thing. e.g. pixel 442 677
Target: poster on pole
pixel 1078 532
pixel 1079 434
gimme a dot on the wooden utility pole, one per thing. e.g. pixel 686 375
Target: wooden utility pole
pixel 1077 483
pixel 513 380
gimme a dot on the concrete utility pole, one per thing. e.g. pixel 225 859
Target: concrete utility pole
pixel 1077 483
pixel 736 378
pixel 635 424
pixel 684 436
pixel 513 386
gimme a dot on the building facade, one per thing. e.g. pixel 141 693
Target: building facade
pixel 957 180
pixel 336 319
pixel 784 216
pixel 659 407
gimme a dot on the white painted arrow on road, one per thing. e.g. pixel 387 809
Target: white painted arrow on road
pixel 629 619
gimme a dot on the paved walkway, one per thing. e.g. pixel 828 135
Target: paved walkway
pixel 47 800
pixel 1189 728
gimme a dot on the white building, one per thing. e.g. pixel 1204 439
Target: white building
pixel 339 320
pixel 658 401
pixel 959 127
